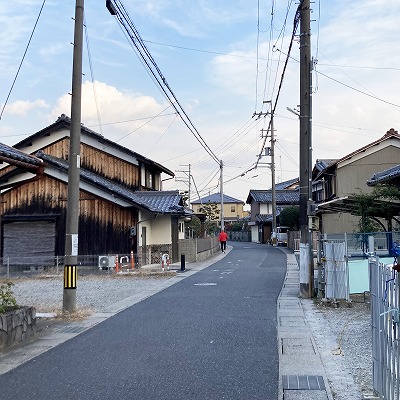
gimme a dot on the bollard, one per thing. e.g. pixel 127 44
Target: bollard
pixel 182 262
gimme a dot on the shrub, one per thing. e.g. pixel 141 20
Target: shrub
pixel 7 299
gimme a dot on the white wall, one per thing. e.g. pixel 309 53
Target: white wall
pixel 254 233
pixel 158 230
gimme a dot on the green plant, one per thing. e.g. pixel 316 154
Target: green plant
pixel 290 216
pixel 7 299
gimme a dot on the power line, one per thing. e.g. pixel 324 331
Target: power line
pixel 117 9
pixel 22 60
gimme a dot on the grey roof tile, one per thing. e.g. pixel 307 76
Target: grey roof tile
pixel 282 196
pixel 384 176
pixel 8 154
pixel 216 198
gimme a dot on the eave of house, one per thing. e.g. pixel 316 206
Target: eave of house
pixel 61 129
pixel 152 201
pixel 348 203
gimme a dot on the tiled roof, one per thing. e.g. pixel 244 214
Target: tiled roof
pixel 10 154
pixel 216 198
pixel 384 176
pixel 322 164
pixel 286 184
pixel 263 218
pixel 64 122
pixel 282 196
pixel 168 202
pixel 163 202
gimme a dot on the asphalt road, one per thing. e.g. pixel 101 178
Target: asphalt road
pixel 211 336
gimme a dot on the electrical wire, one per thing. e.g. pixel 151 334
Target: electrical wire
pixel 23 58
pixel 92 76
pixel 117 8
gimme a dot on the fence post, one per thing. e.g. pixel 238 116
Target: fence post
pixel 374 280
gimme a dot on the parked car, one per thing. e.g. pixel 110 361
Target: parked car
pixel 281 235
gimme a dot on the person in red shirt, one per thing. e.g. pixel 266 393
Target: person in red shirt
pixel 223 237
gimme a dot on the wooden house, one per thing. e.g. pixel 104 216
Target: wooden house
pixel 116 200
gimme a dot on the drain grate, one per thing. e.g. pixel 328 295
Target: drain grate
pixel 71 329
pixel 303 382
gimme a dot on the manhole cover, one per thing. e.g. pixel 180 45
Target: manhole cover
pixel 205 284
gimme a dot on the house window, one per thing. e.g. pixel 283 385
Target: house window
pixel 181 227
pixel 149 180
pixel 233 209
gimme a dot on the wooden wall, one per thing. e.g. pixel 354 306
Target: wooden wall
pixel 104 227
pixel 100 162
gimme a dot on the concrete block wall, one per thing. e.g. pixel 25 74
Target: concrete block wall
pixel 16 326
pixel 188 247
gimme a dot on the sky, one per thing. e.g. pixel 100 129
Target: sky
pixel 223 60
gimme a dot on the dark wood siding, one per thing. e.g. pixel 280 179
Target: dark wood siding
pixel 104 227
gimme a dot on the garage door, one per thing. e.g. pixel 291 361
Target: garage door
pixel 29 243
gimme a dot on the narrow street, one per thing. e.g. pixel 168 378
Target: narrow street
pixel 211 336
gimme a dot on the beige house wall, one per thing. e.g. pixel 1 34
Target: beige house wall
pixel 353 174
pixel 339 223
pixel 232 211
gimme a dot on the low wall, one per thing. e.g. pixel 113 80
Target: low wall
pixel 198 249
pixel 17 326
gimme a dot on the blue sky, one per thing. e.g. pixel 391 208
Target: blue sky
pixel 217 57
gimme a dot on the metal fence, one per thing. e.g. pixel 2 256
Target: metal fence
pixel 384 284
pixel 239 236
pixel 337 257
pixel 28 266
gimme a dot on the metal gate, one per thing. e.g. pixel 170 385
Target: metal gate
pixel 336 270
pixel 384 284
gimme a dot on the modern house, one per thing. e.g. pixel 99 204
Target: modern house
pixel 122 209
pixel 233 208
pixel 336 181
pixel 286 194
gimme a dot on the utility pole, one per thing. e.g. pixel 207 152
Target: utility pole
pixel 72 217
pixel 188 180
pixel 221 166
pixel 306 253
pixel 271 152
pixel 273 181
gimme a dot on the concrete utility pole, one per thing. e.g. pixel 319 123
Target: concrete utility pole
pixel 184 180
pixel 273 181
pixel 271 152
pixel 72 218
pixel 306 253
pixel 221 166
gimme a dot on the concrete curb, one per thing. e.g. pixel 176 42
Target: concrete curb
pixel 301 371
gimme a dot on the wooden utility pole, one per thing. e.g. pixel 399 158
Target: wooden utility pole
pixel 306 254
pixel 72 218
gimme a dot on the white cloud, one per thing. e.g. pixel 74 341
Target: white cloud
pixel 22 108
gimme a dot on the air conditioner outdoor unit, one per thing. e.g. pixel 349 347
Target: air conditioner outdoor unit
pixel 106 262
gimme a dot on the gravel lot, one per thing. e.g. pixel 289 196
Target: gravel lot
pixel 94 294
pixel 344 339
